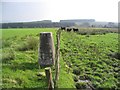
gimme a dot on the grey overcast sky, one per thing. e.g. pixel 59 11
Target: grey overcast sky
pixel 55 10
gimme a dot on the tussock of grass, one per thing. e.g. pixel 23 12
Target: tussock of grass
pixel 7 55
pixel 31 43
pixel 6 43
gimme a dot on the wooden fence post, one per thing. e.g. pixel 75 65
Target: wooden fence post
pixel 49 78
pixel 57 57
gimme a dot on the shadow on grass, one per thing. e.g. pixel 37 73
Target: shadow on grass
pixel 23 66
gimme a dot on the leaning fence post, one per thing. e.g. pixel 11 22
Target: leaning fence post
pixel 49 78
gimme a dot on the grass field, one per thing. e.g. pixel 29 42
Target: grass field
pixel 83 57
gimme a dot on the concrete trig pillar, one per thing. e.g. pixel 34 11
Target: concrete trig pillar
pixel 46 50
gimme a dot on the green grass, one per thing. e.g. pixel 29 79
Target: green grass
pixel 85 54
pixel 89 57
pixel 20 68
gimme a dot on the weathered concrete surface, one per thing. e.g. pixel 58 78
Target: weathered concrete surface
pixel 46 49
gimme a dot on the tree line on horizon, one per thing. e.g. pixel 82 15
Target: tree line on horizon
pixel 62 23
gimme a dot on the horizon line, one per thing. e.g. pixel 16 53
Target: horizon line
pixel 52 20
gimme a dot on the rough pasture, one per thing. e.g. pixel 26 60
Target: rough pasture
pixel 87 56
